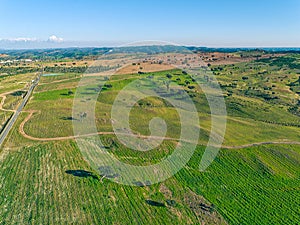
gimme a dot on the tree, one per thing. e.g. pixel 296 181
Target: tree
pixel 171 202
pixel 212 208
pixel 108 85
pixel 169 76
pixel 70 92
pixel 82 115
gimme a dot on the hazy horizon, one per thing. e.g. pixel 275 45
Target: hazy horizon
pixel 6 44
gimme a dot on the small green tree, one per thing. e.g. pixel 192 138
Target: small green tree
pixel 169 76
pixel 70 92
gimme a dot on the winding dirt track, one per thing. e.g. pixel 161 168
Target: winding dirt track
pixel 3 96
pixel 21 130
pixel 31 112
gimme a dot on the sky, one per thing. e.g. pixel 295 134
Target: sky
pixel 211 23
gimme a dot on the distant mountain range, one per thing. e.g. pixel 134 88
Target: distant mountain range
pixel 54 42
pixel 76 52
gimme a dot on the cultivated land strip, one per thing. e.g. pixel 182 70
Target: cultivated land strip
pixel 23 133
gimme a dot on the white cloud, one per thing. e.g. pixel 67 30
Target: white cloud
pixel 24 39
pixel 54 38
pixel 19 39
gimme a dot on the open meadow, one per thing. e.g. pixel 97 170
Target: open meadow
pixel 253 180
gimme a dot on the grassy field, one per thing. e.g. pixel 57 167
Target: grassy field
pixel 15 82
pixel 4 116
pixel 49 182
pixel 13 100
pixel 263 180
pixel 12 89
pixel 53 185
pixel 250 120
pixel 258 185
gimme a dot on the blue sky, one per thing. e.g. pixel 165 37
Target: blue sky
pixel 204 23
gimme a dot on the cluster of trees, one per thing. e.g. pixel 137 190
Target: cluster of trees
pixel 261 94
pixel 77 69
pixel 280 62
pixel 295 109
pixel 295 83
pixel 54 54
pixel 61 69
pixel 17 70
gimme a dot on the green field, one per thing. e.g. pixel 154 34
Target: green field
pixel 4 116
pixel 49 182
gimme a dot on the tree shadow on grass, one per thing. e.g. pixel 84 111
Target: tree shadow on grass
pixel 82 173
pixel 18 93
pixel 154 203
pixel 68 118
